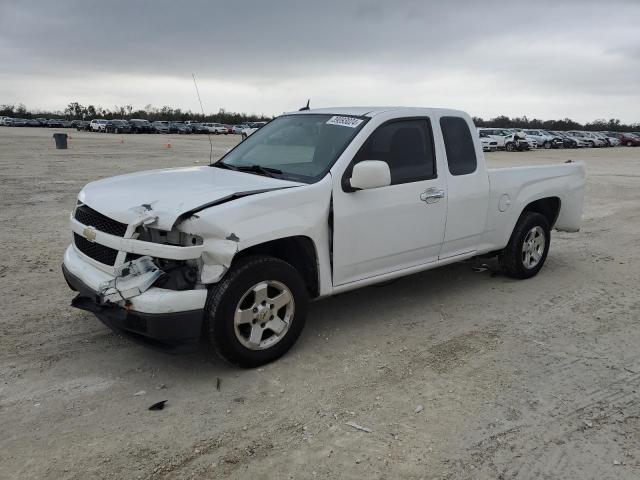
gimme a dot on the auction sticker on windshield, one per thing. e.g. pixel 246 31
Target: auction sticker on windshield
pixel 344 121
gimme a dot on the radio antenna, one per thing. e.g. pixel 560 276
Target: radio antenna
pixel 203 115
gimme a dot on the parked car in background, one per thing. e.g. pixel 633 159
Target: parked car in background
pixel 581 142
pixel 576 134
pixel 117 126
pixel 613 141
pixel 197 127
pixel 626 139
pixel 140 125
pixel 599 141
pixel 488 143
pixel 500 135
pixel 178 127
pixel 32 122
pixel 216 128
pixel 602 137
pixel 54 123
pixel 98 125
pixel 567 142
pixel 82 126
pixel 160 126
pixel 588 137
pixel 237 129
pixel 519 141
pixel 252 128
pixel 543 138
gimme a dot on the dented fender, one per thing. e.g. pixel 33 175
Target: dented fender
pixel 230 227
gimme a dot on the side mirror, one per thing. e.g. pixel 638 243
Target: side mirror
pixel 370 174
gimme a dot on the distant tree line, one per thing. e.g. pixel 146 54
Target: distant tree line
pixel 76 111
pixel 611 125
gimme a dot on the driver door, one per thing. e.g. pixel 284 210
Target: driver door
pixel 399 226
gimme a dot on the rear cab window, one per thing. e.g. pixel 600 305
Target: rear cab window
pixel 461 152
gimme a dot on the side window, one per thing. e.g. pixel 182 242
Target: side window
pixel 461 153
pixel 406 146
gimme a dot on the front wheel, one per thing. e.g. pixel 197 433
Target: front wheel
pixel 629 144
pixel 547 145
pixel 256 314
pixel 527 250
pixel 510 147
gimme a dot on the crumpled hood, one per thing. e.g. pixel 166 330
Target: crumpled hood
pixel 170 193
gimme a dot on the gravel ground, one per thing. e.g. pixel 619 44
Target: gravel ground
pixel 457 373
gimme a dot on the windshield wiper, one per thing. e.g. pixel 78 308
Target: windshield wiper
pixel 268 171
pixel 224 165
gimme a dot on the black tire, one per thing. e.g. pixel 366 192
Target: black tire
pixel 224 297
pixel 592 145
pixel 509 147
pixel 512 257
pixel 547 145
pixel 629 144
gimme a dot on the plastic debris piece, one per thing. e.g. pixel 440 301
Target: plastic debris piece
pixel 158 405
pixel 358 427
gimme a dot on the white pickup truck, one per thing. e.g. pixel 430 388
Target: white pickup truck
pixel 313 204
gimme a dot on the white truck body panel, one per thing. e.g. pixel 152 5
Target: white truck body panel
pixel 359 237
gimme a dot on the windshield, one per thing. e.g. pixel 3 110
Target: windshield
pixel 296 147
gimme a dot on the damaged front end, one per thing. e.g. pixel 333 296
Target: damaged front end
pixel 141 280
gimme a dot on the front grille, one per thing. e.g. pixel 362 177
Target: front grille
pixel 88 216
pixel 96 251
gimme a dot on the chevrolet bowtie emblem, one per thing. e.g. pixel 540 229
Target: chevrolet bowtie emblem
pixel 89 233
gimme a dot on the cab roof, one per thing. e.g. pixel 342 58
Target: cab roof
pixel 373 111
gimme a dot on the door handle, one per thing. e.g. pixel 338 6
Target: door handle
pixel 432 195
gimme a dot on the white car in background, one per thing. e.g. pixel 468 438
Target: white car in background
pixel 500 135
pixel 98 125
pixel 544 138
pixel 611 141
pixel 237 129
pixel 581 142
pixel 252 128
pixel 488 143
pixel 591 140
pixel 518 132
pixel 216 128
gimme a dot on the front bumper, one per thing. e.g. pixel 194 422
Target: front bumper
pixel 166 319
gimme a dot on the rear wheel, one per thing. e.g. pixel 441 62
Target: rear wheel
pixel 547 144
pixel 510 147
pixel 629 144
pixel 257 312
pixel 527 250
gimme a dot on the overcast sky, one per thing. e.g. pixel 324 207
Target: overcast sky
pixel 544 59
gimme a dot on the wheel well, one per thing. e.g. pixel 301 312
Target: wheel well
pixel 549 207
pixel 298 251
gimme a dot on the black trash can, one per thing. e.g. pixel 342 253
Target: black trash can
pixel 61 140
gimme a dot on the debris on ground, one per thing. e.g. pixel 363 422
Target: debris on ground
pixel 419 408
pixel 158 405
pixel 140 393
pixel 358 427
pixel 218 383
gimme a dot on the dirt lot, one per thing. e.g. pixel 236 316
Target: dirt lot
pixel 534 379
